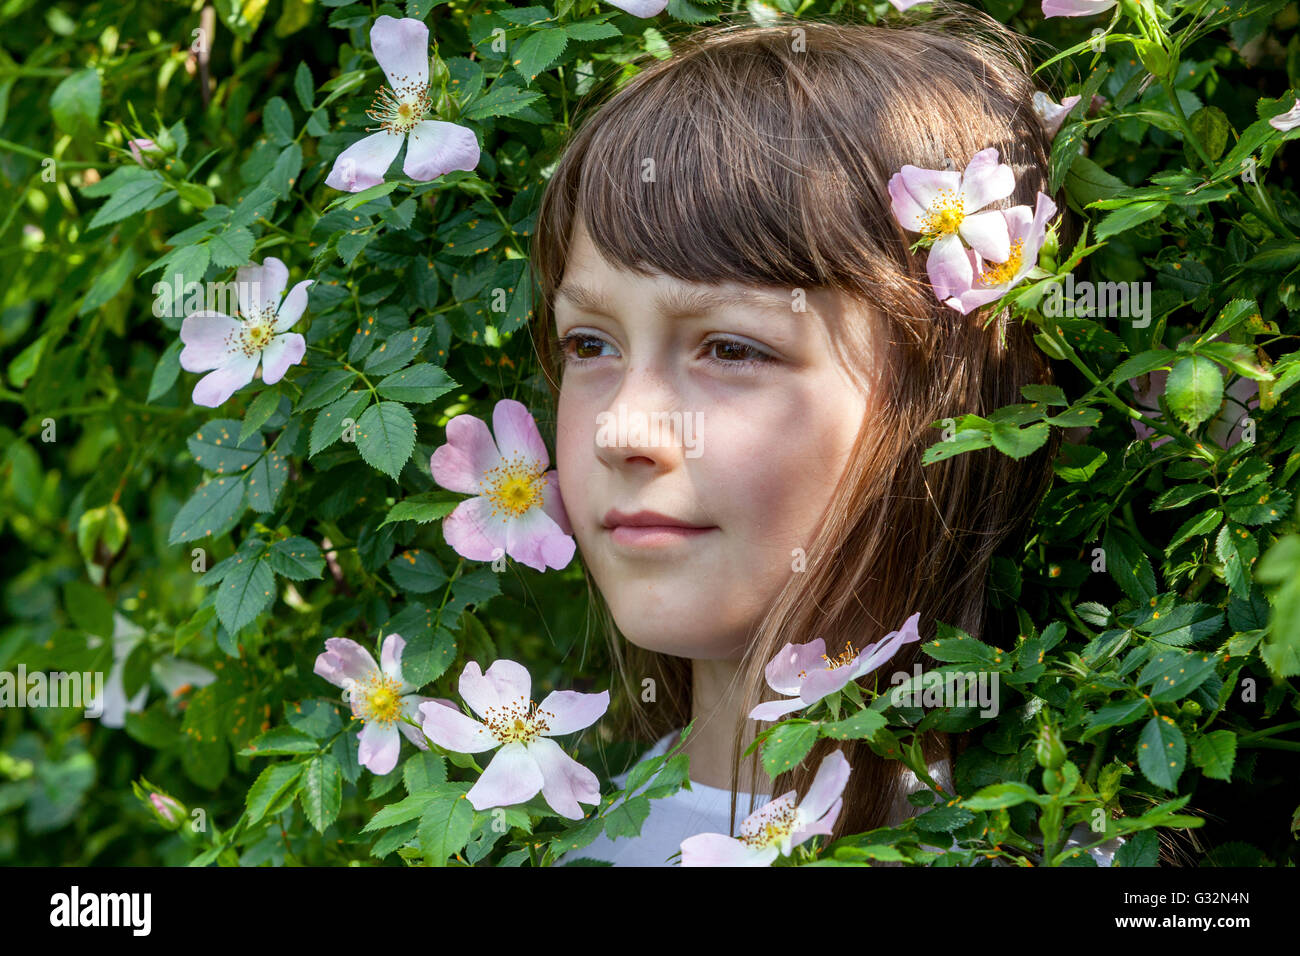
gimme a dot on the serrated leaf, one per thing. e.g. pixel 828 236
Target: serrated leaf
pixel 788 744
pixel 1215 753
pixel 270 788
pixel 429 506
pixel 423 771
pixel 386 437
pixel 266 481
pixel 212 510
pixel 861 726
pixel 1194 389
pixel 217 448
pixel 280 741
pixel 329 424
pixel 245 592
pixel 1162 752
pixel 232 248
pixel 446 823
pixel 322 791
pixel 296 558
pixel 419 384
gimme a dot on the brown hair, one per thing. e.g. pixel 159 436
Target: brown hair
pixel 772 149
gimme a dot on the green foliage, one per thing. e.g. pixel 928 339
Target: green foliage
pixel 1150 629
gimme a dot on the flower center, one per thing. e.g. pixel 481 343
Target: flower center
pixel 398 110
pixel 770 825
pixel 844 657
pixel 515 723
pixel 514 486
pixel 1001 273
pixel 945 214
pixel 378 698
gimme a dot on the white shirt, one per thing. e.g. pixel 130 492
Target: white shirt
pixel 705 809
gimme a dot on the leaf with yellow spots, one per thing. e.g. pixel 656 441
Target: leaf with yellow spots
pixel 1162 752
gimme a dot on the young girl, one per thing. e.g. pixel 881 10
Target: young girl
pixel 716 247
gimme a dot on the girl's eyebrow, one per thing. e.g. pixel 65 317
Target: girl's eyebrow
pixel 680 304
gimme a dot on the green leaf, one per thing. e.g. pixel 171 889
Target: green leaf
pixel 89 608
pixel 1174 674
pixel 446 823
pixel 1124 219
pixel 297 559
pixel 1215 753
pixel 322 791
pixel 999 796
pixel 503 99
pixel 396 351
pixel 212 510
pixel 75 102
pixel 417 571
pixel 1194 389
pixel 259 410
pixel 422 508
pixel 304 86
pixel 325 387
pixel 539 50
pixel 1162 752
pixel 214 446
pixel 1017 442
pixel 419 384
pixel 423 771
pixel 1129 566
pixel 386 437
pixel 270 789
pixel 788 744
pixel 266 481
pixel 246 591
pixel 280 741
pixel 277 120
pixel 627 818
pixel 330 420
pixel 944 819
pixel 136 196
pixel 232 248
pixel 408 808
pixel 861 726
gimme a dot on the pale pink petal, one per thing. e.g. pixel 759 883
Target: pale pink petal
pixel 988 234
pixel 504 685
pixel 640 8
pixel 565 782
pixel 1075 8
pixel 714 849
pixel 950 267
pixel 1286 121
pixel 776 709
pixel 343 660
pixel 823 825
pixel 883 650
pixel 907 210
pixel 785 671
pixel 364 163
pixel 474 532
pixel 436 148
pixel 216 387
pixel 281 352
pixel 450 729
pixel 379 746
pixel 512 777
pixel 402 49
pixel 260 287
pixel 986 180
pixel 517 436
pixel 927 186
pixel 537 541
pixel 411 704
pixel 822 681
pixel 212 339
pixel 828 783
pixel 470 453
pixel 390 655
pixel 293 306
pixel 553 502
pixel 570 710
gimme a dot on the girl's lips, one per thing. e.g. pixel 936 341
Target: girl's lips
pixel 654 536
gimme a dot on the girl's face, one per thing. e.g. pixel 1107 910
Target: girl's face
pixel 732 417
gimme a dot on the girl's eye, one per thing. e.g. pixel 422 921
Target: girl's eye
pixel 578 347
